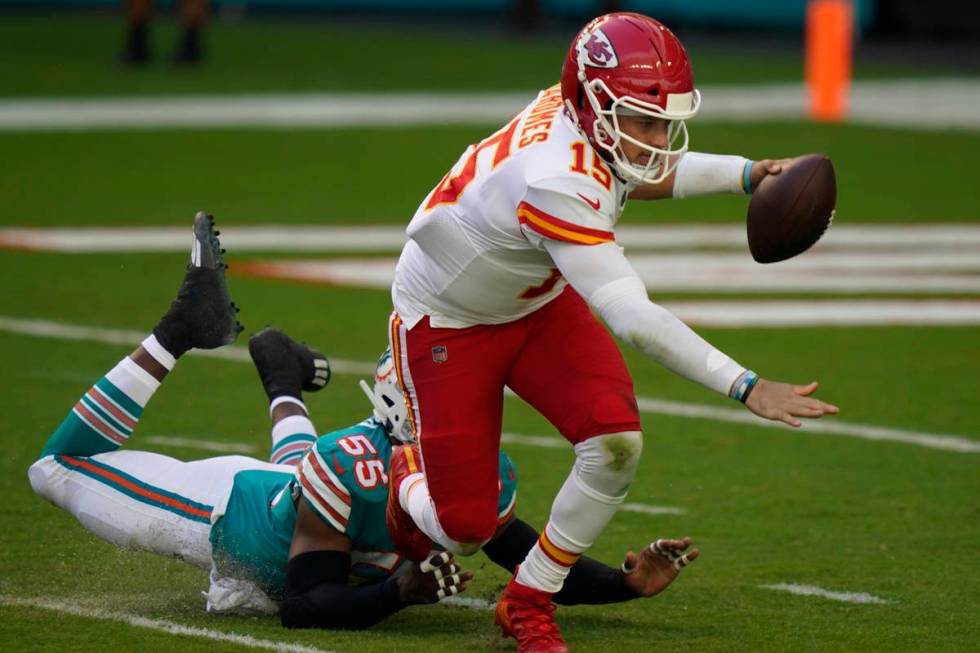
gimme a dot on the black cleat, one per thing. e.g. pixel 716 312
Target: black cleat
pixel 285 366
pixel 203 315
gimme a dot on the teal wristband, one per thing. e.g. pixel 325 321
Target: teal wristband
pixel 743 385
pixel 746 177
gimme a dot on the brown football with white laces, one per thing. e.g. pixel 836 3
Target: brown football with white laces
pixel 790 211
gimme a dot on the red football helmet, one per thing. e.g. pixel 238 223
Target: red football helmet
pixel 630 64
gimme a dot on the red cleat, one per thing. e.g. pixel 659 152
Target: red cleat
pixel 526 614
pixel 410 541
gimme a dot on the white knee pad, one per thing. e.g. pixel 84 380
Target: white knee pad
pixel 605 465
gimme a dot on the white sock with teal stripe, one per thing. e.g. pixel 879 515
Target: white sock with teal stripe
pixel 105 416
pixel 291 437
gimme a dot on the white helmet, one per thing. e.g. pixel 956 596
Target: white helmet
pixel 389 403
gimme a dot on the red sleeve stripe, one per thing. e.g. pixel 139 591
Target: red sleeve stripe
pixel 558 229
pixel 124 418
pixel 558 555
pixel 99 426
pixel 328 478
pixel 332 516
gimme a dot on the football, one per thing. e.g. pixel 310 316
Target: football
pixel 790 211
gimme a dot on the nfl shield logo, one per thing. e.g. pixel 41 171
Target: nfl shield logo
pixel 440 354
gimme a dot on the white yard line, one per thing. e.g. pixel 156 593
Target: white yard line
pixel 825 426
pixel 652 510
pixel 61 331
pixel 813 590
pixel 939 272
pixel 468 602
pixel 196 443
pixel 854 312
pixel 543 441
pixel 269 238
pixel 72 607
pixel 829 426
pixel 889 102
pixel 390 238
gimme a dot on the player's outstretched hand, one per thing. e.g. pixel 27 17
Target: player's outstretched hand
pixel 433 579
pixel 784 402
pixel 657 566
pixel 765 167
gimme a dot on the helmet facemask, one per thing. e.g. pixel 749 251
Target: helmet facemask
pixel 609 136
pixel 386 397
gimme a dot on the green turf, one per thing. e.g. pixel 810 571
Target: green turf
pixel 380 175
pixel 47 54
pixel 767 506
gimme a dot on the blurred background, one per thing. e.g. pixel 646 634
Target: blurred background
pixel 293 68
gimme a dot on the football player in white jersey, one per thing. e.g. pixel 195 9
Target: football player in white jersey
pixel 506 261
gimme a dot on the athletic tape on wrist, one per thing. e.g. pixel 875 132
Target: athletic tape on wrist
pixel 747 177
pixel 287 400
pixel 742 386
pixel 159 354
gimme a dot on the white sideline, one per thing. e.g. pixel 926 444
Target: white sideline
pixel 813 590
pixel 831 426
pixel 885 102
pixel 381 238
pixel 72 608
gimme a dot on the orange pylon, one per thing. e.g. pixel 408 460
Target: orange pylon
pixel 829 29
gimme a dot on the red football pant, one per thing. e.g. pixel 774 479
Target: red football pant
pixel 559 359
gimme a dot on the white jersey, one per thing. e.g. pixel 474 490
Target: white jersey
pixel 475 253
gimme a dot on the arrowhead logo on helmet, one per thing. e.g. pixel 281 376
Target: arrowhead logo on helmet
pixel 598 51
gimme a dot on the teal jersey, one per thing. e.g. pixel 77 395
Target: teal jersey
pixel 344 479
pixel 251 539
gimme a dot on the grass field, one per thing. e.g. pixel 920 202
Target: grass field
pixel 767 506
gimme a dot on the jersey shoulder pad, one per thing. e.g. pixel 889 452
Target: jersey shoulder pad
pixel 508 489
pixel 321 478
pixel 574 213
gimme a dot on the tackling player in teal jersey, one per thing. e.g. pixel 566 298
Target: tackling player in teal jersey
pixel 304 534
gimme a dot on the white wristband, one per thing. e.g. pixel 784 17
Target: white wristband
pixel 709 174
